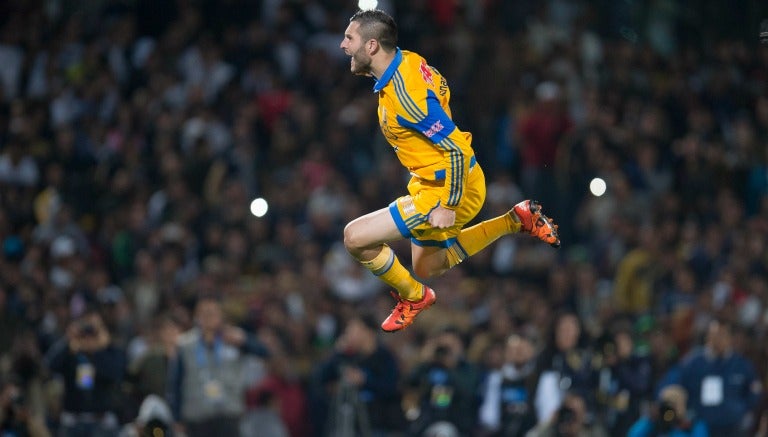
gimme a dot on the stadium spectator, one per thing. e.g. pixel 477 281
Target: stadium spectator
pixel 444 385
pixel 280 395
pixel 669 416
pixel 565 366
pixel 724 387
pixel 207 381
pixel 149 372
pixel 123 163
pixel 354 390
pixel 92 370
pixel 154 419
pixel 624 381
pixel 507 409
pixel 571 419
pixel 16 417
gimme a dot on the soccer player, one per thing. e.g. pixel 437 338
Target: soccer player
pixel 447 185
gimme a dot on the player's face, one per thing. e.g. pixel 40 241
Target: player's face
pixel 354 46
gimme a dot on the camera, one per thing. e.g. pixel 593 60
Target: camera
pixel 442 354
pixel 156 428
pixel 87 329
pixel 667 418
pixel 566 416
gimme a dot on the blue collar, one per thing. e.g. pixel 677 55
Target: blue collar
pixel 390 71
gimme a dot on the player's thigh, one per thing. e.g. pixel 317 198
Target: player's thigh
pixel 427 261
pixel 371 229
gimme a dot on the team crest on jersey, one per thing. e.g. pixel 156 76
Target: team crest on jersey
pixel 409 208
pixel 426 73
pixel 385 129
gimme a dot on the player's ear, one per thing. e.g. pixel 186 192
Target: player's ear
pixel 373 46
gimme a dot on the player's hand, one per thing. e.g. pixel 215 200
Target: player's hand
pixel 442 217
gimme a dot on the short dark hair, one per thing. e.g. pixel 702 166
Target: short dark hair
pixel 377 24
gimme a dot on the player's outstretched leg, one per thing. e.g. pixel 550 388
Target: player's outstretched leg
pixel 535 223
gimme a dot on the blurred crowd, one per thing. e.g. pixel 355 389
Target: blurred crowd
pixel 138 294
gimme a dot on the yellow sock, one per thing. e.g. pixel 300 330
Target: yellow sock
pixel 387 267
pixel 476 238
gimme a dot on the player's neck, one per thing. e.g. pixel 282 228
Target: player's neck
pixel 380 63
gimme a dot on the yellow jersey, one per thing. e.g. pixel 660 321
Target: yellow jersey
pixel 415 118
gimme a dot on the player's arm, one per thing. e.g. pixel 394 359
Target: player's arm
pixel 423 113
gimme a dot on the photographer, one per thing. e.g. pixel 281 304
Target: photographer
pixel 354 391
pixel 669 417
pixel 570 420
pixel 624 382
pixel 207 378
pixel 444 387
pixel 92 370
pixel 507 408
pixel 154 419
pixel 566 364
pixel 16 418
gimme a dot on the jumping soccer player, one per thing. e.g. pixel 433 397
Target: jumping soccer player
pixel 447 185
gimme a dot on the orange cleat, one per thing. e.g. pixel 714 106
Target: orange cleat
pixel 528 213
pixel 405 311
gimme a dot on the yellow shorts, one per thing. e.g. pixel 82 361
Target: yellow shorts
pixel 411 213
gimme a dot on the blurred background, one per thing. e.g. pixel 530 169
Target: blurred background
pixel 143 290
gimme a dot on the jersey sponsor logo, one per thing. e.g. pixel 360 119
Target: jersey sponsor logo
pixel 435 128
pixel 426 73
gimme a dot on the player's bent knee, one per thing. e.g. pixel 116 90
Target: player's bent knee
pixel 349 240
pixel 352 238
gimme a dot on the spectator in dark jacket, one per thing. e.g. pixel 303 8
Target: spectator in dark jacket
pixel 445 386
pixel 723 386
pixel 359 383
pixel 92 370
pixel 507 408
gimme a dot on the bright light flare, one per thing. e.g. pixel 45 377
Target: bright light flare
pixel 259 207
pixel 367 5
pixel 597 187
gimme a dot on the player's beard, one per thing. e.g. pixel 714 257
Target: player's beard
pixel 360 63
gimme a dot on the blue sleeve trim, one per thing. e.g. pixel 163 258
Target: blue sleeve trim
pixel 401 226
pixel 435 125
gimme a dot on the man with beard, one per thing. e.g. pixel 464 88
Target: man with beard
pixel 447 186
